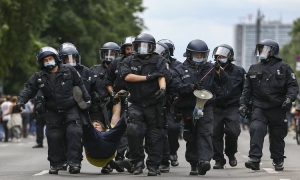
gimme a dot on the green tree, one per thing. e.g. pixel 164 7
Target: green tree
pixel 26 26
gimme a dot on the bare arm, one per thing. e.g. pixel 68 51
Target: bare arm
pixel 135 78
pixel 162 82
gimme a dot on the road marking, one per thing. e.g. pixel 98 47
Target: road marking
pixel 42 173
pixel 270 170
pixel 244 156
pixel 284 179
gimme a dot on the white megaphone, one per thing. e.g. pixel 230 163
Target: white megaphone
pixel 202 96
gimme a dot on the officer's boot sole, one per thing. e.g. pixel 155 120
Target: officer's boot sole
pixel 278 168
pixel 77 95
pixel 203 168
pixel 252 165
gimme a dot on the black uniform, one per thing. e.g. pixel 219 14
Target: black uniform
pixel 96 111
pixel 198 139
pixel 62 111
pixel 268 84
pixel 144 110
pixel 226 116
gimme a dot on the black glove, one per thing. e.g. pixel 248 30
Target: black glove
pixel 39 108
pixel 112 93
pixel 198 86
pixel 160 94
pixel 20 106
pixel 287 104
pixel 151 77
pixel 243 110
pixel 217 66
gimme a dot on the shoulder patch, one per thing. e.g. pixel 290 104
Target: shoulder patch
pixel 293 75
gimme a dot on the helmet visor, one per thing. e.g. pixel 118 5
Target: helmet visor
pixel 221 51
pixel 143 48
pixel 108 55
pixel 262 50
pixel 200 55
pixel 69 59
pixel 159 49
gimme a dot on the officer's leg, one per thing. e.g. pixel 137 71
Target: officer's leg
pixel 277 132
pixel 165 164
pixel 218 134
pixel 190 136
pixel 173 134
pixel 73 136
pixel 232 131
pixel 40 123
pixel 155 139
pixel 54 135
pixel 204 140
pixel 135 134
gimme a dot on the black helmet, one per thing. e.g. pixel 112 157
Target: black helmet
pixel 109 51
pixel 163 50
pixel 68 49
pixel 143 45
pixel 197 46
pixel 224 50
pixel 270 46
pixel 126 42
pixel 170 44
pixel 44 52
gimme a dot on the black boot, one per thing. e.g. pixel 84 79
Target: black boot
pixel 174 161
pixel 117 165
pixel 74 169
pixel 153 171
pixel 203 167
pixel 164 168
pixel 54 170
pixel 232 160
pixel 63 166
pixel 253 164
pixel 278 164
pixel 128 165
pixel 138 168
pixel 106 169
pixel 194 170
pixel 38 146
pixel 219 165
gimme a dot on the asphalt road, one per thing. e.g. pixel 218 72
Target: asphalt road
pixel 20 161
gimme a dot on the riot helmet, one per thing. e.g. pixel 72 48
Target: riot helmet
pixel 197 51
pixel 69 54
pixel 44 52
pixel 170 44
pixel 223 54
pixel 267 48
pixel 163 50
pixel 144 45
pixel 109 52
pixel 126 42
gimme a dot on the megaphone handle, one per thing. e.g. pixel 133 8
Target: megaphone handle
pixel 206 74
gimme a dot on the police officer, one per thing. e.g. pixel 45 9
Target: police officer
pixel 226 116
pixel 114 85
pixel 98 111
pixel 57 81
pixel 146 75
pixel 271 85
pixel 196 73
pixel 173 126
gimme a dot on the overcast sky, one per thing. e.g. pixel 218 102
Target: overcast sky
pixel 210 20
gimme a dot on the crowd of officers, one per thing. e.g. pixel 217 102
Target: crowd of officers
pixel 156 94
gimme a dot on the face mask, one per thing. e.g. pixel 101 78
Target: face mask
pixel 50 65
pixel 72 64
pixel 262 58
pixel 110 58
pixel 196 60
pixel 223 61
pixel 142 50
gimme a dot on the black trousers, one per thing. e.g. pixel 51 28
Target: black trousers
pixel 61 126
pixel 173 134
pixel 226 121
pixel 40 124
pixel 198 136
pixel 166 149
pixel 145 118
pixel 274 119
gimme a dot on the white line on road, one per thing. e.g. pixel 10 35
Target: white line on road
pixel 42 173
pixel 284 179
pixel 270 170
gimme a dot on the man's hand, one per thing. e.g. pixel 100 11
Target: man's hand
pixel 198 86
pixel 160 94
pixel 151 77
pixel 20 106
pixel 243 110
pixel 287 104
pixel 217 66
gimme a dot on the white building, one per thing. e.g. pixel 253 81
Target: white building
pixel 245 39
